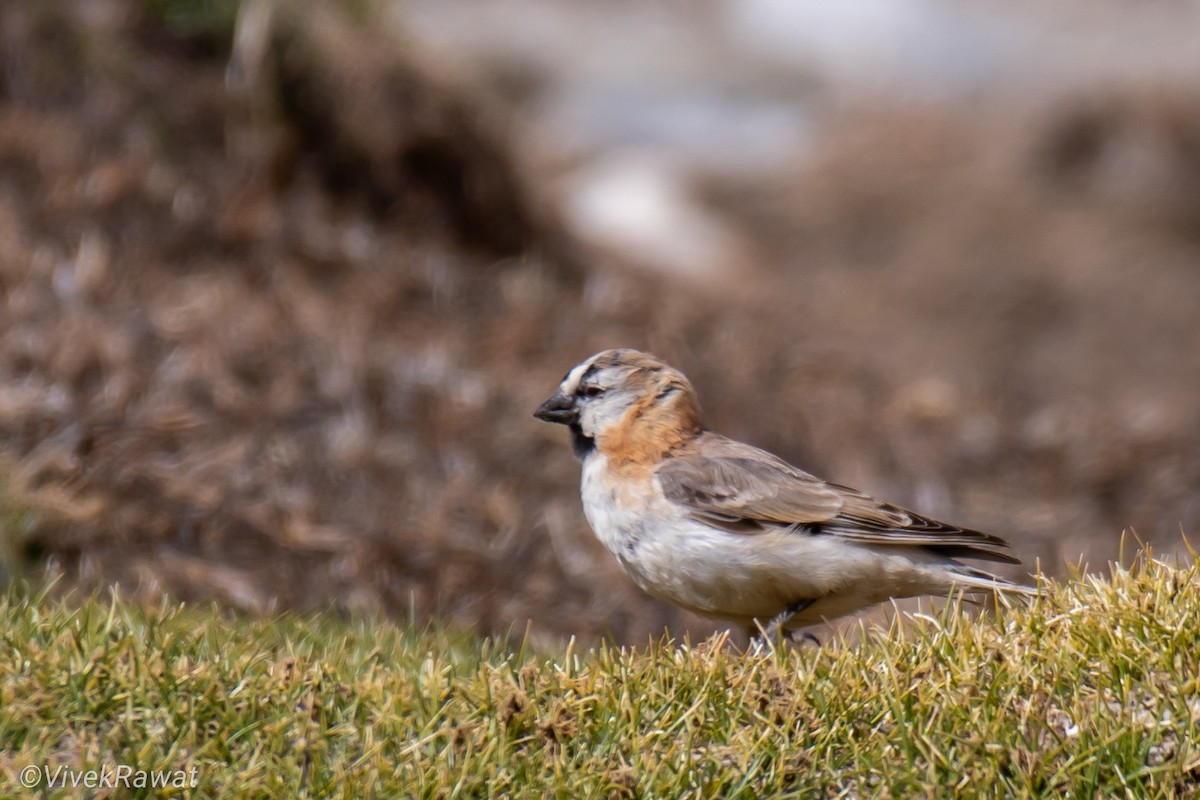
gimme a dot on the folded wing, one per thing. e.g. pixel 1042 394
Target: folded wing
pixel 739 488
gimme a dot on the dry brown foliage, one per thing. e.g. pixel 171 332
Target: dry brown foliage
pixel 274 336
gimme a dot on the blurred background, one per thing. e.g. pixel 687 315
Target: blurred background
pixel 281 283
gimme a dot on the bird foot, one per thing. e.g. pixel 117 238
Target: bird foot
pixel 773 633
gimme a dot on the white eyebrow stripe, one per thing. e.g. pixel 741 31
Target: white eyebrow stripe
pixel 570 384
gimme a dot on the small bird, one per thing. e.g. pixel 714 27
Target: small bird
pixel 729 531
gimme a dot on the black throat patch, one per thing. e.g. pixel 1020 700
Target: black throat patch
pixel 582 445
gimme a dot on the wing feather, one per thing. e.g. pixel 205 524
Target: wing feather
pixel 740 488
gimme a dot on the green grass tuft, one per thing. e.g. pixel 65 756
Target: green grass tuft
pixel 1091 690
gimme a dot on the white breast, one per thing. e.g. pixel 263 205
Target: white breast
pixel 617 511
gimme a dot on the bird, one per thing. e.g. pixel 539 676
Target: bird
pixel 732 532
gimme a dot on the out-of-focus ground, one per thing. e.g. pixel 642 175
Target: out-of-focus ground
pixel 280 294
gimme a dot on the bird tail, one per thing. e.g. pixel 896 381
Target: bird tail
pixel 975 580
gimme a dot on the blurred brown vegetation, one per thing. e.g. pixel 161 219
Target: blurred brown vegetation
pixel 276 315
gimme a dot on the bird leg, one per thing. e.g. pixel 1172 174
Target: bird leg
pixel 770 634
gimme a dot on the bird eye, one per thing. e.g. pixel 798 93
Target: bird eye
pixel 592 391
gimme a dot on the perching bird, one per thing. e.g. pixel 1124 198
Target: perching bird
pixel 730 531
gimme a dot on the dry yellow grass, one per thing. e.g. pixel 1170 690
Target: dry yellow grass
pixel 1089 691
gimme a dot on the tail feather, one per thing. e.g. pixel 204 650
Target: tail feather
pixel 978 580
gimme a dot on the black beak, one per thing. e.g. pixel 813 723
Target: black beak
pixel 560 408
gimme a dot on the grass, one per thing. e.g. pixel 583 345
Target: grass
pixel 1091 690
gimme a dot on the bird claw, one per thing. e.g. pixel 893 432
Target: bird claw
pixel 774 632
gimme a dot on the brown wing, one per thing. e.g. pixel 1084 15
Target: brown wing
pixel 740 488
pixel 730 480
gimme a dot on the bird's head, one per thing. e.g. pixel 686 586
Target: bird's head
pixel 630 405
